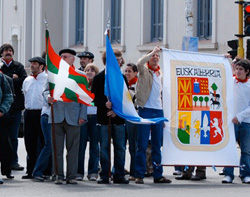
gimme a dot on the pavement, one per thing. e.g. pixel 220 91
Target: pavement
pixel 211 186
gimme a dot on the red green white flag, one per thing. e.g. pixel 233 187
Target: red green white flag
pixel 65 83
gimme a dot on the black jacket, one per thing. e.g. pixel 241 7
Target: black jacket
pixel 18 69
pixel 100 100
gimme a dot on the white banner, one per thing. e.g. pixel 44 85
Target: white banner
pixel 198 102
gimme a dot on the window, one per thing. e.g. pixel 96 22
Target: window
pixel 116 21
pixel 79 21
pixel 157 20
pixel 204 19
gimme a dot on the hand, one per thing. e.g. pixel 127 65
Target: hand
pixel 111 113
pixel 227 55
pixel 235 120
pixel 50 100
pixel 81 121
pixel 108 104
pixel 157 49
pixel 15 76
pixel 1 114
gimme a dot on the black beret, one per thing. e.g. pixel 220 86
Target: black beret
pixel 40 60
pixel 86 54
pixel 71 51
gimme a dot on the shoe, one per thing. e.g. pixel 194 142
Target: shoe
pixel 121 181
pixel 103 181
pixel 71 181
pixel 162 180
pixel 9 176
pixel 183 177
pixel 148 174
pixel 27 176
pixel 58 182
pixel 46 177
pixel 139 181
pixel 92 178
pixel 131 178
pixel 1 181
pixel 227 179
pixel 17 167
pixel 38 179
pixel 126 172
pixel 197 178
pixel 221 172
pixel 177 172
pixel 246 180
pixel 79 178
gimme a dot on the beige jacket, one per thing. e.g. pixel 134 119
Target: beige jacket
pixel 145 81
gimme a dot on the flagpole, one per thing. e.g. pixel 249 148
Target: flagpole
pixel 109 118
pixel 52 118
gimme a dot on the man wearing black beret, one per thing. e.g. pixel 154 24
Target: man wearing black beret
pixel 68 117
pixel 85 58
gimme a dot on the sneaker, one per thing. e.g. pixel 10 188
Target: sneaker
pixel 58 182
pixel 246 180
pixel 1 181
pixel 92 178
pixel 177 172
pixel 71 181
pixel 120 181
pixel 221 172
pixel 227 179
pixel 79 178
pixel 38 179
pixel 139 181
pixel 46 177
pixel 17 167
pixel 184 176
pixel 162 180
pixel 197 178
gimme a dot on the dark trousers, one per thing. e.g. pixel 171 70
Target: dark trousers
pixel 5 147
pixel 33 137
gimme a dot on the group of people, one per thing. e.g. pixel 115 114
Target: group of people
pixel 75 124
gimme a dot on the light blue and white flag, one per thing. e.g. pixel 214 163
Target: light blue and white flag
pixel 117 92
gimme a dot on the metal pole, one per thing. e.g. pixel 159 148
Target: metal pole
pixel 240 50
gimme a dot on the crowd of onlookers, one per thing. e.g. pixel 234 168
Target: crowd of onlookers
pixel 75 124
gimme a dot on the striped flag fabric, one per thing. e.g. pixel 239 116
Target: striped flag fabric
pixel 65 83
pixel 117 91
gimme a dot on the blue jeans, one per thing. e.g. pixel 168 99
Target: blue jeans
pixel 142 143
pixel 132 135
pixel 89 131
pixel 13 134
pixel 242 135
pixel 118 135
pixel 45 156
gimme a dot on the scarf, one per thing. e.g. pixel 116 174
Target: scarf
pixel 242 81
pixel 151 68
pixel 133 81
pixel 7 62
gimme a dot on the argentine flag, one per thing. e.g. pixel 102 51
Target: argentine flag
pixel 117 92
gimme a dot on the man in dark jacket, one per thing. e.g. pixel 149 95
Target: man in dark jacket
pixel 6 98
pixel 104 110
pixel 14 70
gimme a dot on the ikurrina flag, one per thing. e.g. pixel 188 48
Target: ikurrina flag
pixel 198 101
pixel 66 84
pixel 117 91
